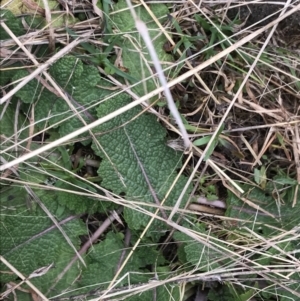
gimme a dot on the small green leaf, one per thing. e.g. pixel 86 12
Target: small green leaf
pixel 260 176
pixel 202 141
pixel 214 143
pixel 65 157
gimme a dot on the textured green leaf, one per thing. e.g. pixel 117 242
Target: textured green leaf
pixel 27 245
pixel 124 21
pixel 77 203
pixel 287 246
pixel 135 54
pixel 104 259
pixel 199 254
pixel 80 82
pixel 7 123
pixel 67 70
pixel 19 295
pixel 75 78
pixel 13 23
pixel 285 215
pixel 31 175
pixel 8 73
pixel 130 142
pixel 89 78
pixel 31 91
pixel 44 109
pixel 74 124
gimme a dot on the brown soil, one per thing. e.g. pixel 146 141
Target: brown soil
pixel 255 13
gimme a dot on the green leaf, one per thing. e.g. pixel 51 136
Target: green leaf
pixel 285 180
pixel 8 133
pixel 220 293
pixel 7 124
pixel 28 242
pixel 79 81
pixel 44 108
pixel 31 91
pixel 203 256
pixel 135 54
pixel 247 295
pixel 7 73
pixel 202 141
pixel 214 143
pixel 285 215
pixel 13 23
pixel 77 203
pixel 260 176
pixel 130 143
pixel 104 260
pixel 67 70
pixel 65 157
pixel 111 69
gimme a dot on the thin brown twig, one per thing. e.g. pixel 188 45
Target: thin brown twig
pixel 296 150
pixel 87 245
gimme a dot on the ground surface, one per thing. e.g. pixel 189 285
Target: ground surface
pixel 255 13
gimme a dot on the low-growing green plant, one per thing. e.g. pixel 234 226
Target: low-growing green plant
pixel 73 235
